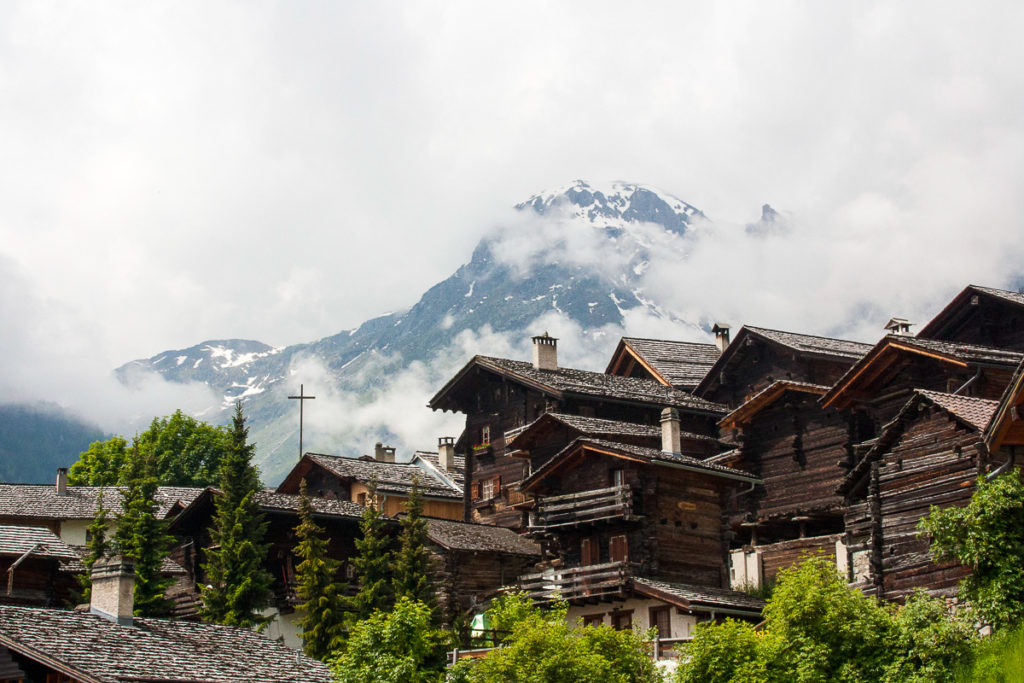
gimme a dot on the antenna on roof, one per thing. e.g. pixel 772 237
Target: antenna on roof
pixel 302 401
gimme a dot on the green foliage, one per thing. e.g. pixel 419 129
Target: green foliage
pixel 998 659
pixel 399 646
pixel 542 648
pixel 97 545
pixel 411 561
pixel 323 606
pixel 818 629
pixel 372 563
pixel 238 586
pixel 988 536
pixel 142 538
pixel 186 452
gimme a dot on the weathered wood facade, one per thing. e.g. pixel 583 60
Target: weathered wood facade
pixel 982 316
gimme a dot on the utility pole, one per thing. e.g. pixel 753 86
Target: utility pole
pixel 302 400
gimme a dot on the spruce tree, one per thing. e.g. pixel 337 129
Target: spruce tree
pixel 97 545
pixel 238 585
pixel 323 607
pixel 142 538
pixel 372 563
pixel 412 563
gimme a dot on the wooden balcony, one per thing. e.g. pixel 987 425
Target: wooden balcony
pixel 573 509
pixel 578 583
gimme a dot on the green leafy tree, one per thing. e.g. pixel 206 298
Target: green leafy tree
pixel 238 585
pixel 928 643
pixel 987 536
pixel 186 452
pixel 372 563
pixel 541 647
pixel 97 545
pixel 398 646
pixel 412 562
pixel 323 606
pixel 142 538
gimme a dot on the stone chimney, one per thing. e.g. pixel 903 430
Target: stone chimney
pixel 671 438
pixel 382 453
pixel 545 352
pixel 113 590
pixel 721 331
pixel 446 453
pixel 62 481
pixel 900 326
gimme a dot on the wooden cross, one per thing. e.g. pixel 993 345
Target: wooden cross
pixel 302 401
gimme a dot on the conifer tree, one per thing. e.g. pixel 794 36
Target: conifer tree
pixel 97 545
pixel 323 607
pixel 372 563
pixel 412 563
pixel 238 585
pixel 142 538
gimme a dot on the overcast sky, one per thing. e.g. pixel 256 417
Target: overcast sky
pixel 176 172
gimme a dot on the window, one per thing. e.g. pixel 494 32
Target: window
pixel 361 498
pixel 661 619
pixel 622 621
pixel 593 619
pixel 487 489
pixel 616 477
pixel 485 435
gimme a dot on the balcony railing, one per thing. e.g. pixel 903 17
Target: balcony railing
pixel 577 583
pixel 614 502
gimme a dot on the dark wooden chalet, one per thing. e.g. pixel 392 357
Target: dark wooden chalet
pixel 501 396
pixel 757 357
pixel 795 447
pixel 333 477
pixel 981 316
pixel 930 454
pixel 676 364
pixel 33 565
pixel 1004 437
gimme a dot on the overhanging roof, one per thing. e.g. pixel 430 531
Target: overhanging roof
pixel 961 306
pixel 765 398
pixel 672 363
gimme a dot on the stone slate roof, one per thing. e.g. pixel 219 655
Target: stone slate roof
pixel 270 500
pixel 458 475
pixel 960 302
pixel 683 364
pixel 698 596
pixel 40 501
pixel 977 412
pixel 585 383
pixel 392 477
pixel 808 343
pixel 479 538
pixel 765 398
pixel 17 540
pixel 1012 297
pixel 91 648
pixel 168 566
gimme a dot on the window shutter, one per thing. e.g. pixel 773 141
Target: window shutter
pixel 497 485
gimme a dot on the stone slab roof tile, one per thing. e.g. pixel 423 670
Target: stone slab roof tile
pixel 654 455
pixel 458 475
pixel 813 344
pixel 704 595
pixel 41 501
pixel 17 540
pixel 269 499
pixel 154 649
pixel 479 537
pixel 683 364
pixel 392 477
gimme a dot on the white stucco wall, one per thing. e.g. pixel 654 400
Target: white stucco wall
pixel 682 625
pixel 284 627
pixel 72 531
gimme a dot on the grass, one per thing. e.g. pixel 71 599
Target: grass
pixel 998 659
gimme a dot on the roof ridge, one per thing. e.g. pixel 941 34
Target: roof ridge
pixel 804 334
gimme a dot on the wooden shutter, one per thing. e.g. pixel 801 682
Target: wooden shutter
pixel 661 619
pixel 618 548
pixel 585 552
pixel 497 486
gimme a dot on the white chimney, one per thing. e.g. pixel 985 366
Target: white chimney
pixel 900 326
pixel 671 438
pixel 62 481
pixel 721 331
pixel 446 453
pixel 545 352
pixel 112 595
pixel 382 453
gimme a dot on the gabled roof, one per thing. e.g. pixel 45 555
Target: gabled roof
pixel 672 363
pixel 698 598
pixel 892 346
pixel 486 538
pixel 960 305
pixel 765 398
pixel 579 449
pixel 973 413
pixel 839 350
pixel 588 426
pixel 89 648
pixel 430 459
pixel 41 501
pixel 270 500
pixel 571 382
pixel 15 541
pixel 391 477
pixel 1006 426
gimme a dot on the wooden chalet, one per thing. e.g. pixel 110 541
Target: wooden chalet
pixel 500 397
pixel 33 564
pixel 930 454
pixel 981 316
pixel 439 477
pixel 758 356
pixel 675 364
pixel 795 447
pixel 1004 436
pixel 108 645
